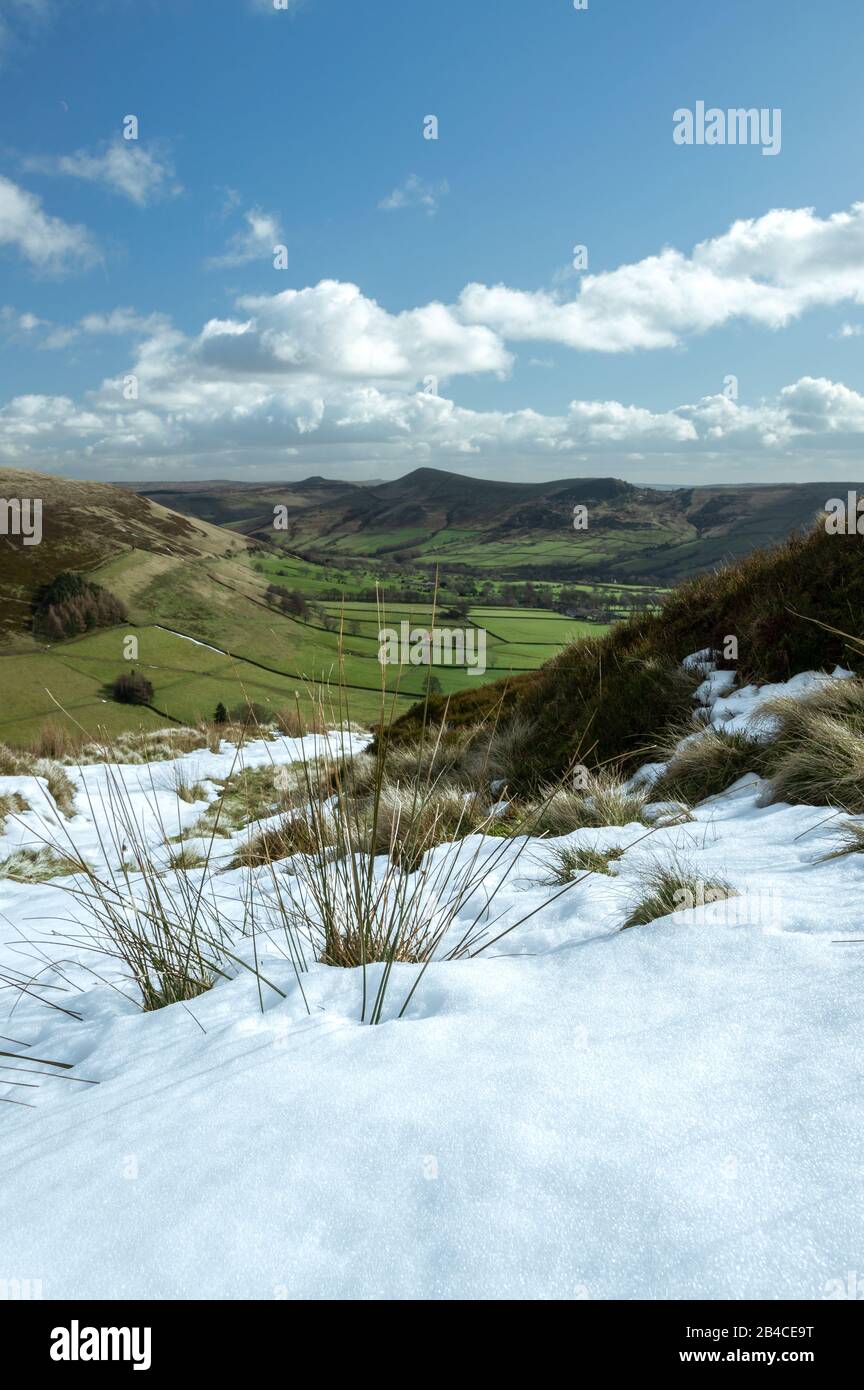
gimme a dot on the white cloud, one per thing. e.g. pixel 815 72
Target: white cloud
pixel 142 175
pixel 210 414
pixel 263 232
pixel 415 192
pixel 48 243
pixel 121 322
pixel 328 373
pixel 332 330
pixel 768 270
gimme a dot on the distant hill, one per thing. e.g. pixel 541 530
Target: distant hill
pixel 518 530
pixel 84 526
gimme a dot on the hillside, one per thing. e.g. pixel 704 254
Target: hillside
pixel 610 700
pixel 207 626
pixel 513 529
pixel 84 527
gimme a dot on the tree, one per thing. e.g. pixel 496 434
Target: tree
pixel 221 714
pixel 431 685
pixel 132 689
pixel 70 605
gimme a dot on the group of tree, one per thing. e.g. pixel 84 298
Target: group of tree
pixel 291 601
pixel 132 689
pixel 70 605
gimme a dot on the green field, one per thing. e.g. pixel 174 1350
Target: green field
pixel 264 655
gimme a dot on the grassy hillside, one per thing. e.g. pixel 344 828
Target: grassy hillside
pixel 185 583
pixel 85 526
pixel 609 700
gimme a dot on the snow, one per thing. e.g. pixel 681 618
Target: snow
pixel 194 640
pixel 672 1111
pixel 736 709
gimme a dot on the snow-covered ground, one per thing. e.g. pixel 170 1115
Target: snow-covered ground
pixel 673 1111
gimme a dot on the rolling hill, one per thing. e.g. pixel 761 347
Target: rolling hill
pixel 208 629
pixel 517 530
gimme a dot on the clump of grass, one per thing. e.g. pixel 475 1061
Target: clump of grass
pixel 851 841
pixel 56 742
pixel 187 791
pixel 457 757
pixel 366 893
pixel 605 801
pixel 706 764
pixel 17 764
pixel 674 887
pixel 60 785
pixel 296 723
pixel 304 831
pixel 11 804
pixel 184 859
pixel 816 754
pixel 504 760
pixel 246 795
pixel 570 862
pixel 411 819
pixel 40 865
pixel 169 934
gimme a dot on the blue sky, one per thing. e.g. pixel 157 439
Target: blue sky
pixel 429 313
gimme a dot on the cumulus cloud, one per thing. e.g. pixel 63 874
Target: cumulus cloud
pixel 220 413
pixel 48 243
pixel 143 175
pixel 333 330
pixel 767 270
pixel 327 375
pixel 415 192
pixel 258 239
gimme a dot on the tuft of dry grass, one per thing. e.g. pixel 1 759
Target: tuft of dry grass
pixel 816 753
pixel 850 841
pixel 708 763
pixel 249 794
pixel 307 831
pixel 569 863
pixel 40 865
pixel 185 859
pixel 187 791
pixel 11 804
pixel 13 763
pixel 674 887
pixel 564 808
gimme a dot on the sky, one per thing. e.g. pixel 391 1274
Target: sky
pixel 230 246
